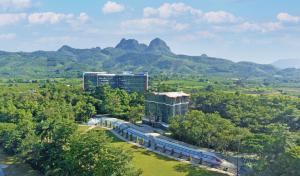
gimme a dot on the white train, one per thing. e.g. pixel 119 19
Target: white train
pixel 160 143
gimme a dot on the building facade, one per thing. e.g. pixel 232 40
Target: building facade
pixel 126 81
pixel 160 107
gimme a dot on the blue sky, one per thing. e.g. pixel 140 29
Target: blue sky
pixel 253 30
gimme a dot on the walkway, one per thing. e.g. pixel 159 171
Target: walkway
pixel 165 154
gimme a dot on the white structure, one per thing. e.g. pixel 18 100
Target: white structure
pixel 163 144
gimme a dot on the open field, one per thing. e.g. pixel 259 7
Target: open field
pixel 14 167
pixel 156 165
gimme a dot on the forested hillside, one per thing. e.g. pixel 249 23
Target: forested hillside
pixel 129 55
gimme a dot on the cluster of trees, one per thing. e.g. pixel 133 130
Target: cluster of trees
pixel 207 130
pixel 280 155
pixel 119 103
pixel 39 125
pixel 286 164
pixel 267 126
pixel 248 111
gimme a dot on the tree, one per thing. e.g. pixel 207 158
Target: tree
pixel 136 113
pixel 86 157
pixel 286 164
pixel 275 151
pixel 207 130
pixel 84 111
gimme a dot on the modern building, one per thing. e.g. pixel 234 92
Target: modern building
pixel 126 81
pixel 160 107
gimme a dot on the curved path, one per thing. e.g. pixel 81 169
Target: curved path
pixel 164 154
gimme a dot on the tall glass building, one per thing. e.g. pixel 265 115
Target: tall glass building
pixel 126 81
pixel 160 107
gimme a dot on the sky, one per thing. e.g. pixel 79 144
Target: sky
pixel 260 31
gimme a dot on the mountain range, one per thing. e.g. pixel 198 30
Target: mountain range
pixel 129 55
pixel 287 63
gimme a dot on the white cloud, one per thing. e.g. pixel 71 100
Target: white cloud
pixel 43 18
pixel 14 4
pixel 48 17
pixel 148 24
pixel 285 17
pixel 61 40
pixel 75 22
pixel 144 23
pixel 180 26
pixel 270 26
pixel 259 27
pixel 170 10
pixel 83 17
pixel 9 36
pixel 53 18
pixel 219 17
pixel 11 18
pixel 112 7
pixel 149 11
pixel 198 35
pixel 205 34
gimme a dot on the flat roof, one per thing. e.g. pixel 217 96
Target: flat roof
pixel 121 74
pixel 172 94
pixel 94 72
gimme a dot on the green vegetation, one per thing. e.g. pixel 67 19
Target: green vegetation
pixel 207 130
pixel 15 167
pixel 253 112
pixel 91 153
pixel 286 164
pixel 129 55
pixel 154 164
pixel 266 126
pixel 119 103
pixel 38 125
pixel 195 83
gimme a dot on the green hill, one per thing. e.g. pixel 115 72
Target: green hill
pixel 129 55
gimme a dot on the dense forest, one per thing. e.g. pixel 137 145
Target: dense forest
pixel 38 123
pixel 265 126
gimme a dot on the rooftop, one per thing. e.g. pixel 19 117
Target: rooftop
pixel 94 73
pixel 122 74
pixel 172 94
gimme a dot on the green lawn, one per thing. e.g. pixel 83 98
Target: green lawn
pixel 82 128
pixel 156 165
pixel 185 84
pixel 15 167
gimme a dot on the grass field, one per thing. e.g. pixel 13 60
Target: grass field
pixel 185 85
pixel 156 165
pixel 15 167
